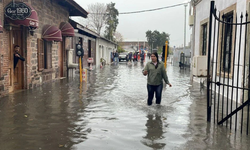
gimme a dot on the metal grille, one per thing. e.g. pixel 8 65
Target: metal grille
pixel 228 70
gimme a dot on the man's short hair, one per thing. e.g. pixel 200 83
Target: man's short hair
pixel 16 46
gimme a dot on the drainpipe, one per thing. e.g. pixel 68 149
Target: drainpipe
pixel 185 16
pixel 193 41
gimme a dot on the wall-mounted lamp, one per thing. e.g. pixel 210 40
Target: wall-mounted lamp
pixel 8 27
pixel 31 30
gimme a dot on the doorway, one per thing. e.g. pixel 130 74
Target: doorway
pixel 16 80
pixel 89 48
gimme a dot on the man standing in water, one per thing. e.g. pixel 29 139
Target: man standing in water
pixel 155 71
pixel 17 56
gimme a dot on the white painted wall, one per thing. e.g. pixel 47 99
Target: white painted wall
pixel 103 50
pixel 202 13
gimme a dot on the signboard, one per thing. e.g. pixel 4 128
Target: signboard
pixel 90 60
pixel 17 11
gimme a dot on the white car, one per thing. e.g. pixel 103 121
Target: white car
pixel 123 56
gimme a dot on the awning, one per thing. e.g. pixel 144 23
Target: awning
pixel 31 21
pixel 83 30
pixel 1 27
pixel 67 29
pixel 73 8
pixel 51 33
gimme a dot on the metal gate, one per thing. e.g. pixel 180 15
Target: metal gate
pixel 228 70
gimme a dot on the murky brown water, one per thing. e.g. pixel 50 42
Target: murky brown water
pixel 110 113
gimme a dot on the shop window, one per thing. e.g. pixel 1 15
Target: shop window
pixel 44 55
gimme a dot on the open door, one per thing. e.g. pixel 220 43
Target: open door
pixel 16 79
pixel 89 48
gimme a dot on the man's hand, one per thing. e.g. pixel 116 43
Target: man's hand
pixel 170 85
pixel 145 72
pixel 17 55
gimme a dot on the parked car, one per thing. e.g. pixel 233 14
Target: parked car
pixel 123 56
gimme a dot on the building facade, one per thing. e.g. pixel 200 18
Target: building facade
pixel 105 49
pixel 43 38
pixel 229 48
pixel 94 45
pixel 133 45
pixel 87 38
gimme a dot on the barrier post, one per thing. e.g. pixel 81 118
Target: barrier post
pixel 166 51
pixel 80 69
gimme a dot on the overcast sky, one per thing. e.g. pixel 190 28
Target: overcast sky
pixel 134 26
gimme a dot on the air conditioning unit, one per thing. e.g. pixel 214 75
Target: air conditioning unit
pixel 199 66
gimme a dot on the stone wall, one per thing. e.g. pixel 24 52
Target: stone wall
pixel 4 42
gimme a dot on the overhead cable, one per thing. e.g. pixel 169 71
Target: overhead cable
pixel 142 11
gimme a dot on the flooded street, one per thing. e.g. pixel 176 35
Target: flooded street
pixel 110 112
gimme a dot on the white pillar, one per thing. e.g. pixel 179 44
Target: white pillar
pixel 185 5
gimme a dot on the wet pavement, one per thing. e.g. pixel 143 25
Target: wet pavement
pixel 110 112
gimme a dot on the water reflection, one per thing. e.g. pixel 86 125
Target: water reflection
pixel 142 64
pixel 154 132
pixel 110 112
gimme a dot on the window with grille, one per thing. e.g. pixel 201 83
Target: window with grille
pixel 204 40
pixel 227 49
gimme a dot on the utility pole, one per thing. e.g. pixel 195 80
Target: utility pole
pixel 138 46
pixel 185 16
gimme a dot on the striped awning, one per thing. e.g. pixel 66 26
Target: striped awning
pixel 67 29
pixel 51 33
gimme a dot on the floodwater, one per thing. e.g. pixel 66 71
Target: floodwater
pixel 110 112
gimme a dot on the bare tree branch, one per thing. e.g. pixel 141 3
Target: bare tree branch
pixel 97 16
pixel 118 37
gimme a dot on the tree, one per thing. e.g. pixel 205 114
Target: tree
pixel 156 39
pixel 111 21
pixel 118 37
pixel 120 49
pixel 149 37
pixel 97 16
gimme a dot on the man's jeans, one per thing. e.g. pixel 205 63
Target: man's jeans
pixel 116 59
pixel 157 89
